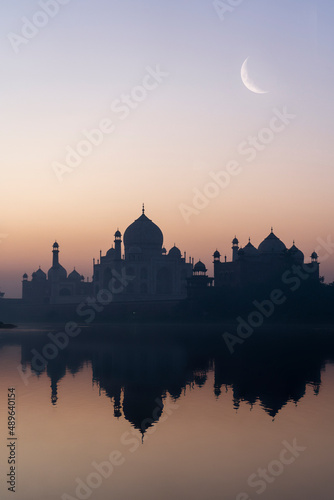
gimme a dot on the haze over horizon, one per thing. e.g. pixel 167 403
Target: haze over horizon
pixel 179 131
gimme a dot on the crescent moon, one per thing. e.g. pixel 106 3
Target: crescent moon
pixel 248 82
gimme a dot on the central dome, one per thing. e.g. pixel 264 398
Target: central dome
pixel 143 233
pixel 272 245
pixel 57 273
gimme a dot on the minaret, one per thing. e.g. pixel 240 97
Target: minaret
pixel 235 249
pixel 118 245
pixel 216 257
pixel 216 264
pixel 314 258
pixel 55 251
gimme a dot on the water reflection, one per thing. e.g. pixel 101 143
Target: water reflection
pixel 136 367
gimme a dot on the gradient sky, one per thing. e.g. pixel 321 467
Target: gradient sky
pixel 64 80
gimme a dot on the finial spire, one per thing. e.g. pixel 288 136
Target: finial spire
pixel 249 240
pixel 272 229
pixel 143 208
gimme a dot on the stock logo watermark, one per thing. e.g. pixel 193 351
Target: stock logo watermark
pixel 129 442
pixel 30 28
pixel 121 108
pixel 226 7
pixel 266 476
pixel 264 309
pixel 249 148
pixel 87 309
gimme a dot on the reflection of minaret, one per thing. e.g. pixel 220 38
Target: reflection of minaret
pixel 54 391
pixel 56 371
pixel 117 405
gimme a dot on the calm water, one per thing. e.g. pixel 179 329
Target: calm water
pixel 168 413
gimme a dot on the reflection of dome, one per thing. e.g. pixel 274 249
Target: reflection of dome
pixel 174 253
pixel 250 250
pixel 143 233
pixel 142 407
pixel 296 253
pixel 199 267
pixel 74 276
pixel 272 245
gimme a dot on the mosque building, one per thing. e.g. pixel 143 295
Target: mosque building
pixel 139 268
pixel 257 266
pixel 56 287
pixel 144 271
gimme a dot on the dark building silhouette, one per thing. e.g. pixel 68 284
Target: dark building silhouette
pixel 262 265
pixel 139 269
pixel 56 287
pixel 199 281
pixel 146 271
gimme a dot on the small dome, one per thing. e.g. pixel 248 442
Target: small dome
pixel 314 256
pixel 39 274
pixel 235 241
pixel 74 276
pixel 216 255
pixel 118 234
pixel 296 253
pixel 272 245
pixel 55 245
pixel 250 250
pixel 111 253
pixel 57 273
pixel 174 253
pixel 199 267
pixel 25 276
pixel 164 251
